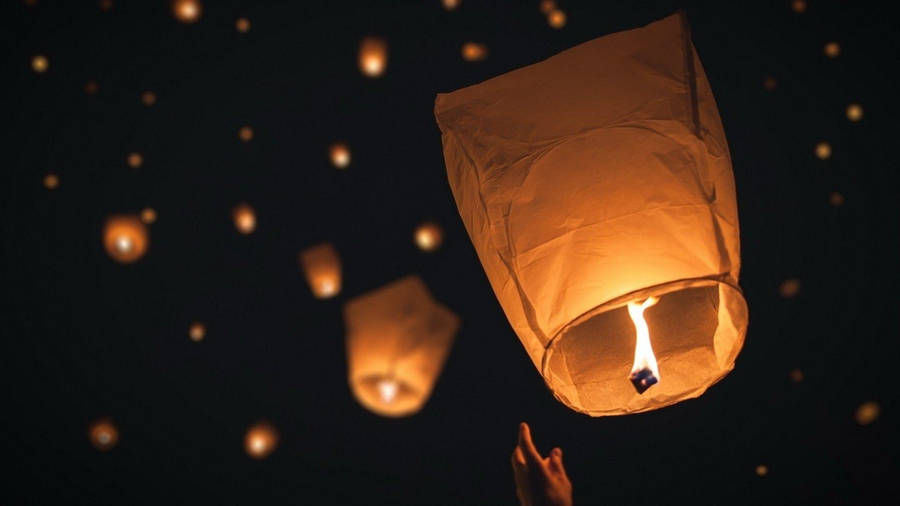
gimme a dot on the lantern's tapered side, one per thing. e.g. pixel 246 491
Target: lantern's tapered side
pixel 599 177
pixel 398 338
pixel 322 267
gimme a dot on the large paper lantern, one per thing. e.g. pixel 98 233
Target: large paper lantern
pixel 322 268
pixel 397 340
pixel 597 189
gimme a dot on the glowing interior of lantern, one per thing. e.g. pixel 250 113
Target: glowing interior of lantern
pixel 643 351
pixel 373 64
pixel 425 238
pixel 388 390
pixel 327 288
pixel 124 244
pixel 258 443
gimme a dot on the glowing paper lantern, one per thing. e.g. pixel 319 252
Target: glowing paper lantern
pixel 823 150
pixel 322 268
pixel 867 412
pixel 125 238
pixel 197 332
pixel 832 50
pixel 473 51
pixel 372 56
pixel 450 4
pixel 51 181
pixel 39 63
pixel 429 236
pixel 148 98
pixel 854 112
pixel 397 340
pixel 135 160
pixel 91 87
pixel 591 183
pixel 556 19
pixel 339 154
pixel 245 133
pixel 547 6
pixel 242 25
pixel 260 440
pixel 762 470
pixel 187 11
pixel 148 215
pixel 789 288
pixel 244 218
pixel 103 434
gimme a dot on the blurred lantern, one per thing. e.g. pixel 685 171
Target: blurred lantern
pixel 473 51
pixel 832 49
pixel 148 98
pixel 429 236
pixel 51 181
pixel 397 340
pixel 245 133
pixel 547 6
pixel 789 288
pixel 601 202
pixel 372 56
pixel 770 83
pixel 125 238
pixel 556 18
pixel 244 218
pixel 322 268
pixel 197 332
pixel 823 150
pixel 39 63
pixel 260 440
pixel 340 155
pixel 135 160
pixel 854 112
pixel 148 215
pixel 242 25
pixel 762 470
pixel 91 87
pixel 836 199
pixel 450 4
pixel 796 375
pixel 867 412
pixel 187 11
pixel 103 434
pixel 799 6
pixel 105 5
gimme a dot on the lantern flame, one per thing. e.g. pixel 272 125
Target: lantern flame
pixel 644 372
pixel 388 390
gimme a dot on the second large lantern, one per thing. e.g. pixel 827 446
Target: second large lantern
pixel 597 189
pixel 397 340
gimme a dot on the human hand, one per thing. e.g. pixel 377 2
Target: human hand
pixel 540 481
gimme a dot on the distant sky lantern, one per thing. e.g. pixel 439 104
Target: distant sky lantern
pixel 556 19
pixel 322 268
pixel 39 63
pixel 339 154
pixel 762 470
pixel 125 238
pixel 429 236
pixel 373 55
pixel 547 6
pixel 135 160
pixel 796 375
pixel 105 5
pixel 397 340
pixel 261 440
pixel 245 133
pixel 799 6
pixel 187 11
pixel 91 87
pixel 854 112
pixel 51 181
pixel 473 51
pixel 867 412
pixel 148 215
pixel 836 199
pixel 148 98
pixel 770 83
pixel 103 434
pixel 601 202
pixel 244 218
pixel 832 50
pixel 823 150
pixel 197 331
pixel 450 4
pixel 789 288
pixel 242 25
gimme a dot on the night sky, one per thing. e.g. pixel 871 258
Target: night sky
pixel 87 338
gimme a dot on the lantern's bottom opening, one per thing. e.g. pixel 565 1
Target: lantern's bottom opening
pixel 696 330
pixel 370 392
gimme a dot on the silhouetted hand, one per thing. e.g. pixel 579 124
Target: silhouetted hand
pixel 540 481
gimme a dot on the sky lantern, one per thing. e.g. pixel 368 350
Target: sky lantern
pixel 798 6
pixel 836 199
pixel 148 215
pixel 600 199
pixel 242 25
pixel 429 236
pixel 339 154
pixel 397 340
pixel 322 268
pixel 187 11
pixel 450 4
pixel 197 331
pixel 134 160
pixel 260 440
pixel 39 63
pixel 91 87
pixel 148 98
pixel 854 112
pixel 125 238
pixel 51 181
pixel 556 19
pixel 473 51
pixel 373 56
pixel 867 412
pixel 823 151
pixel 244 218
pixel 103 434
pixel 789 288
pixel 832 49
pixel 245 133
pixel 547 6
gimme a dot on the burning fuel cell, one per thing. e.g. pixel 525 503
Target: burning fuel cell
pixel 645 371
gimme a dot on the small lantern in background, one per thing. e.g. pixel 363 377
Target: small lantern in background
pixel 260 440
pixel 798 6
pixel 450 4
pixel 762 470
pixel 244 218
pixel 197 332
pixel 397 340
pixel 836 199
pixel 373 56
pixel 103 434
pixel 789 288
pixel 339 154
pixel 242 25
pixel 770 83
pixel 473 51
pixel 148 98
pixel 854 112
pixel 832 50
pixel 322 268
pixel 125 238
pixel 51 181
pixel 867 412
pixel 796 375
pixel 600 240
pixel 105 5
pixel 547 6
pixel 823 151
pixel 91 87
pixel 39 63
pixel 429 236
pixel 556 19
pixel 148 215
pixel 187 11
pixel 135 160
pixel 245 133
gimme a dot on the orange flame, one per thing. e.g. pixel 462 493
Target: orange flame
pixel 643 351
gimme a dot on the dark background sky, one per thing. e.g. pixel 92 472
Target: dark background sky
pixel 85 337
